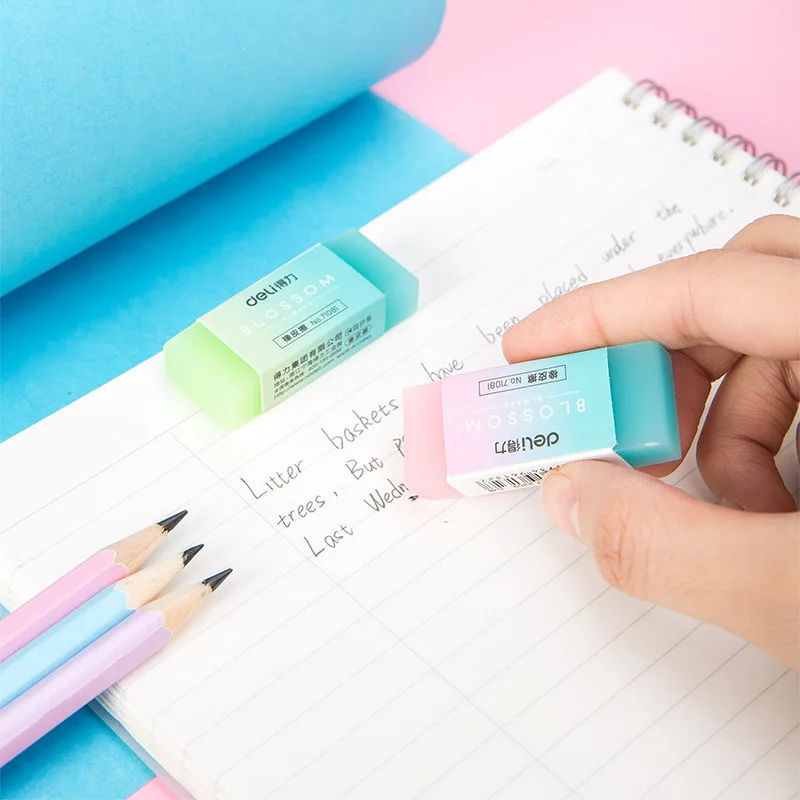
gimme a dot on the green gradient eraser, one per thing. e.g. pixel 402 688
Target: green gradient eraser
pixel 287 329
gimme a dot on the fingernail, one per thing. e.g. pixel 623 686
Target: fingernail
pixel 560 499
pixel 729 502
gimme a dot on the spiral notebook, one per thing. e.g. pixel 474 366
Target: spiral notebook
pixel 380 647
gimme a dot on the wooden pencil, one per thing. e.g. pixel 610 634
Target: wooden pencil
pixel 96 668
pixel 80 584
pixel 88 622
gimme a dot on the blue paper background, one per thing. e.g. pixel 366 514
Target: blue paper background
pixel 95 316
pixel 111 109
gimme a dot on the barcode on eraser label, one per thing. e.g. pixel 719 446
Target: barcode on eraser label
pixel 518 480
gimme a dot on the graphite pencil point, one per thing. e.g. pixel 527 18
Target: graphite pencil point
pixel 170 522
pixel 215 580
pixel 189 554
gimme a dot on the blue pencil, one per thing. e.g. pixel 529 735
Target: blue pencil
pixel 90 621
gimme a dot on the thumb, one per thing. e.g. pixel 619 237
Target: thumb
pixel 737 570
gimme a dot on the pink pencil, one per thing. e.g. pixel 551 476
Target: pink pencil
pixel 101 664
pixel 76 587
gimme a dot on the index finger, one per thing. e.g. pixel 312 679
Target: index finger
pixel 743 301
pixel 776 235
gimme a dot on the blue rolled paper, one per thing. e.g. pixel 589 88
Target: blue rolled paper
pixel 111 110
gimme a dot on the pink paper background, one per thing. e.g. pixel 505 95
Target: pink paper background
pixel 153 790
pixel 498 62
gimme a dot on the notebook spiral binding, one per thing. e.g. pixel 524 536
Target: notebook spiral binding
pixel 785 192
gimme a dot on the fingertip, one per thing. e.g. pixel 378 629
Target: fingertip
pixel 513 341
pixel 506 344
pixel 602 488
pixel 564 324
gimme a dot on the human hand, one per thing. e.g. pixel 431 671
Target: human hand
pixel 733 312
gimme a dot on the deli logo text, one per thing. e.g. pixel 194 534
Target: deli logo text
pixel 524 443
pixel 272 289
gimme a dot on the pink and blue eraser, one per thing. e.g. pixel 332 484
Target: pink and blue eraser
pixel 504 428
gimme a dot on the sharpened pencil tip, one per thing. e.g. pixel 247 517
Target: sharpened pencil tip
pixel 215 580
pixel 170 522
pixel 189 554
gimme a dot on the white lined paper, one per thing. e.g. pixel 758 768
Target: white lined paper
pixel 440 649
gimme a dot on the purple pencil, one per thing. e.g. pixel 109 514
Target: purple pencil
pixel 100 665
